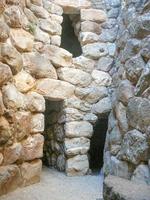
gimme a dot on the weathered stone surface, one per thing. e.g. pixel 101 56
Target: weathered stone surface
pixel 121 189
pixel 89 26
pixel 36 102
pixel 37 123
pixel 39 11
pixel 84 63
pixel 24 81
pixel 31 172
pixel 10 178
pixel 93 15
pixel 109 35
pixel 38 66
pixel 102 107
pixel 54 89
pixel 74 76
pixel 91 94
pixel 138 113
pixel 1 158
pixel 76 146
pixel 37 2
pixel 30 16
pixel 53 8
pixel 33 147
pixel 21 124
pixel 50 26
pixel 22 40
pixel 2 107
pixel 41 36
pixel 61 163
pixel 56 40
pixel 115 136
pixel 13 98
pixel 4 31
pixel 101 78
pixel 141 174
pixel 104 64
pixel 5 131
pixel 74 6
pixel 88 37
pixel 95 50
pixel 90 117
pixel 78 129
pixel 77 165
pixel 5 74
pixel 134 147
pixel 120 168
pixel 2 6
pixel 12 153
pixel 58 56
pixel 12 57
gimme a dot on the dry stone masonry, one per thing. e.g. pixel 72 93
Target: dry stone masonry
pixel 50 99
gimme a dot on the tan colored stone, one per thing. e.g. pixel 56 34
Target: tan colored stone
pixel 89 26
pixel 53 8
pixel 4 31
pixel 54 89
pixel 73 6
pixel 101 78
pixel 37 123
pixel 33 147
pixel 10 178
pixel 22 40
pixel 22 124
pixel 88 37
pixel 12 57
pixel 24 81
pixel 56 40
pixel 38 66
pixel 58 19
pixel 77 166
pixel 41 36
pixel 31 172
pixel 30 16
pixel 2 107
pixel 5 131
pixel 1 158
pixel 2 6
pixel 12 153
pixel 39 11
pixel 93 15
pixel 74 76
pixel 37 2
pixel 36 102
pixel 5 74
pixel 58 56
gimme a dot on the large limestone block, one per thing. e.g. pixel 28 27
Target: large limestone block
pixel 101 78
pixel 54 89
pixel 74 6
pixel 38 65
pixel 36 102
pixel 95 50
pixel 53 8
pixel 134 148
pixel 78 129
pixel 4 31
pixel 74 76
pixel 24 81
pixel 33 147
pixel 5 131
pixel 10 178
pixel 12 153
pixel 50 26
pixel 93 15
pixel 84 64
pixel 5 74
pixel 89 26
pixel 13 98
pixel 138 113
pixel 76 146
pixel 77 166
pixel 88 37
pixel 41 36
pixel 58 56
pixel 22 124
pixel 91 94
pixel 22 40
pixel 12 57
pixel 39 11
pixel 31 172
pixel 102 107
pixel 37 123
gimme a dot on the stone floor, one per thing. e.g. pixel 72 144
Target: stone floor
pixel 57 186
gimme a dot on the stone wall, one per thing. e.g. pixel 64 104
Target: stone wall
pixel 127 149
pixel 33 68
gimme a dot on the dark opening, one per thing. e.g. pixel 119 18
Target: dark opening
pixel 69 40
pixel 97 145
pixel 54 136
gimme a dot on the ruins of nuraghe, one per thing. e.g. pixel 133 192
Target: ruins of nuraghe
pixel 75 92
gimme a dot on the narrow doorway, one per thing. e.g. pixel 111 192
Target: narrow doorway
pixel 97 145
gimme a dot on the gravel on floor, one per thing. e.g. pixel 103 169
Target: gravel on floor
pixel 55 185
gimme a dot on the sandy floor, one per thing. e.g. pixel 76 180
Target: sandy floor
pixel 57 186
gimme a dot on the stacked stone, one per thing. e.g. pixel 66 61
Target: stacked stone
pixel 128 139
